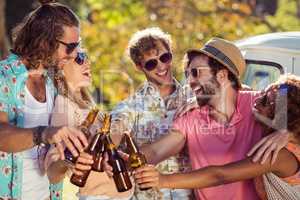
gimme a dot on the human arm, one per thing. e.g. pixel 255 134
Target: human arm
pixel 286 165
pixel 169 145
pixel 10 137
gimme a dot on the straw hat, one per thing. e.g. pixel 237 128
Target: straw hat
pixel 225 52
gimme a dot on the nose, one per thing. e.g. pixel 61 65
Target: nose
pixel 192 81
pixel 162 66
pixel 75 52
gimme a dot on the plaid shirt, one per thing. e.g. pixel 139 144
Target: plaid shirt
pixel 149 116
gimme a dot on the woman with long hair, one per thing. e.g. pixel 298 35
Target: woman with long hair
pixel 70 108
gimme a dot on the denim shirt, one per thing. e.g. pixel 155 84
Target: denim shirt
pixel 13 76
pixel 149 116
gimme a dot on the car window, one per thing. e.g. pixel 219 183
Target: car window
pixel 259 74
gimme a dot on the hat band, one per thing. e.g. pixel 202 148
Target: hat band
pixel 221 56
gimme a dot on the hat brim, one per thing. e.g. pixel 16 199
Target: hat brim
pixel 214 57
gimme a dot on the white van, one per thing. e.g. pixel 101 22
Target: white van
pixel 269 55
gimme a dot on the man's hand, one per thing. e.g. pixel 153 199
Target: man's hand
pixel 63 137
pixel 147 177
pixel 270 144
pixel 186 108
pixel 83 163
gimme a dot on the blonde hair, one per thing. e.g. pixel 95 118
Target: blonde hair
pixel 83 99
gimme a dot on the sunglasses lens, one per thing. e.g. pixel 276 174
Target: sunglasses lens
pixel 194 72
pixel 80 58
pixel 71 47
pixel 150 64
pixel 166 57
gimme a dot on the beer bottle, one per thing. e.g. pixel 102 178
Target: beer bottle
pixel 120 173
pixel 136 157
pixel 80 180
pixel 84 127
pixel 101 147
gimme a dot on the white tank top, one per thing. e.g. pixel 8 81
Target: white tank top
pixel 35 184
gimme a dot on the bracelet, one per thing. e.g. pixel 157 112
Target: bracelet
pixel 37 135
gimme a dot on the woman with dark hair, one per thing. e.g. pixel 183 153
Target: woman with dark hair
pixel 268 110
pixel 47 39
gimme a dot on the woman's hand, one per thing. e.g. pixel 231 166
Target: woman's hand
pixel 270 144
pixel 147 177
pixel 83 163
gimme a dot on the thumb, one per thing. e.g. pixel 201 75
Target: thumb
pixel 123 155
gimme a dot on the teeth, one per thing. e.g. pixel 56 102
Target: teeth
pixel 197 88
pixel 162 73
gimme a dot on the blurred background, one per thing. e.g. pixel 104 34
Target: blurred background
pixel 108 25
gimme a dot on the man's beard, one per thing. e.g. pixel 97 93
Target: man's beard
pixel 208 90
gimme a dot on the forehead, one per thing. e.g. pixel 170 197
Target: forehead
pixel 199 62
pixel 157 50
pixel 71 34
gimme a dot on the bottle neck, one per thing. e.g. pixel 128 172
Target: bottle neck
pixel 90 118
pixel 109 144
pixel 131 144
pixel 93 145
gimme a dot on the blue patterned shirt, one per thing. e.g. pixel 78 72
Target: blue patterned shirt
pixel 13 76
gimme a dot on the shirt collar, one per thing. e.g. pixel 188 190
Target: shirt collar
pixel 148 88
pixel 18 67
pixel 236 118
pixel 16 64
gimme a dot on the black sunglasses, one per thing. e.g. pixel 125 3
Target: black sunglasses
pixel 152 63
pixel 195 72
pixel 70 46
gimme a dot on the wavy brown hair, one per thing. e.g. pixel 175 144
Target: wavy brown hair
pixel 35 39
pixel 145 40
pixel 289 86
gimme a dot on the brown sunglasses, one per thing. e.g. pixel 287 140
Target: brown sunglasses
pixel 152 63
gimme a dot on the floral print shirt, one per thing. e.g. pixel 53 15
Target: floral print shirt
pixel 148 116
pixel 13 76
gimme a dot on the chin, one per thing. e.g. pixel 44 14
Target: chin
pixel 202 101
pixel 84 84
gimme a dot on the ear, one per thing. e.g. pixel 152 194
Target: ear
pixel 139 67
pixel 222 76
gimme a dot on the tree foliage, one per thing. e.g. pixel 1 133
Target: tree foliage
pixel 108 25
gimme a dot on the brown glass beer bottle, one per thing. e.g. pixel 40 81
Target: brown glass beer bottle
pixel 120 173
pixel 84 127
pixel 136 157
pixel 101 147
pixel 80 180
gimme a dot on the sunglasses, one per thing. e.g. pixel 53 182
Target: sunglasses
pixel 152 63
pixel 195 72
pixel 80 58
pixel 70 46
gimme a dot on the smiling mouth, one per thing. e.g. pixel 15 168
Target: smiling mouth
pixel 198 90
pixel 162 73
pixel 86 74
